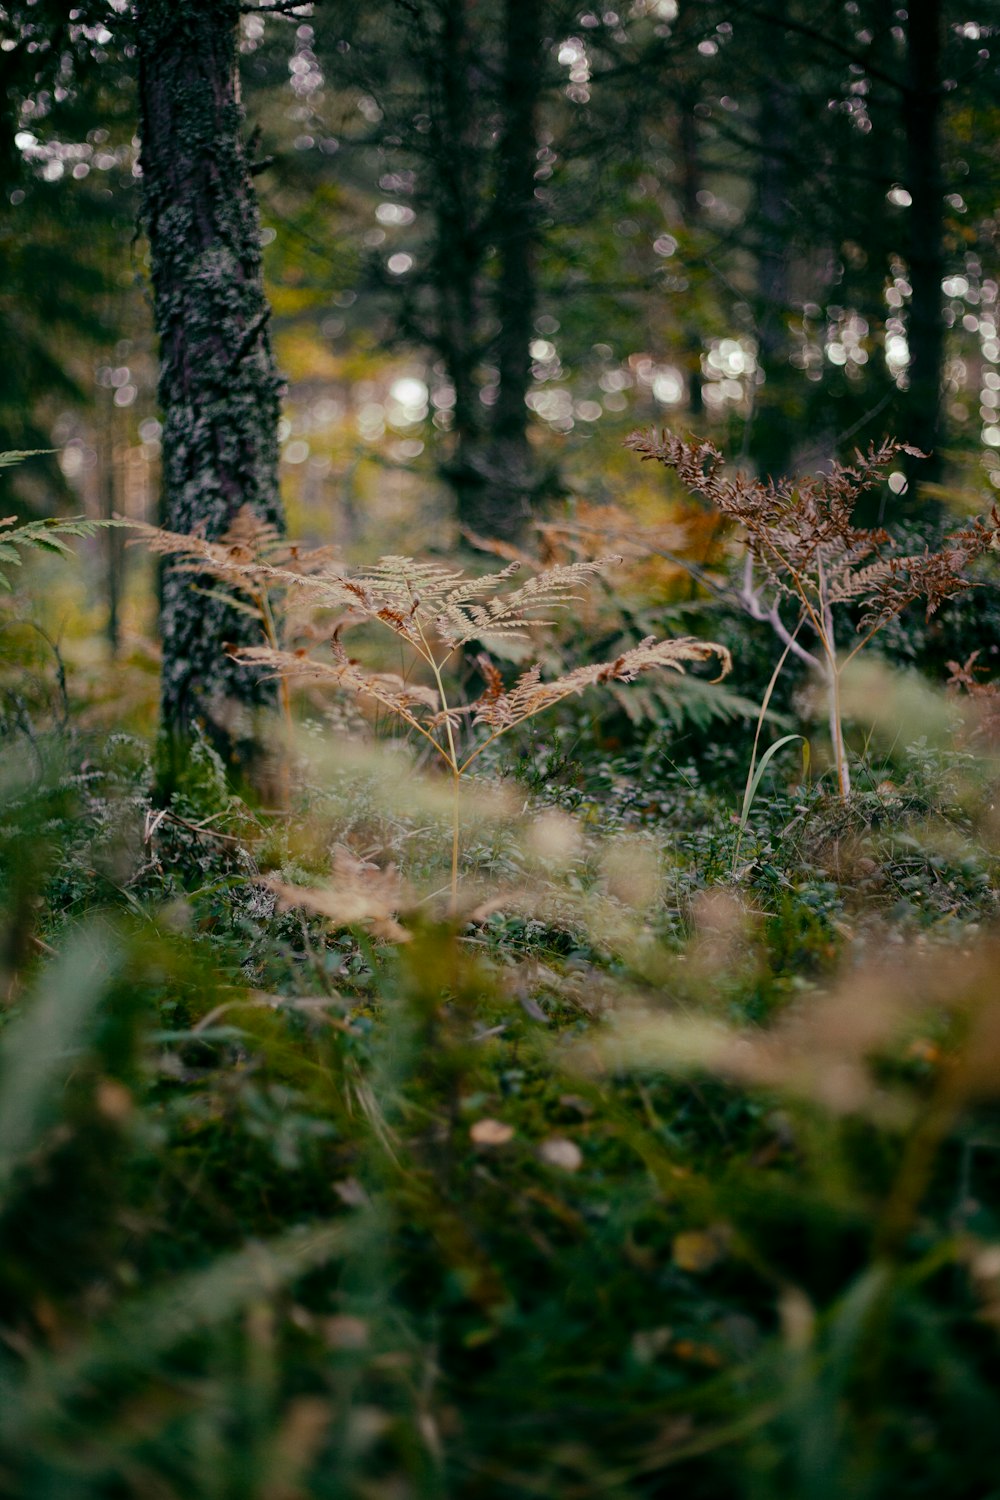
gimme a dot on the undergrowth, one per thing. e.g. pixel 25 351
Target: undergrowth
pixel 665 1158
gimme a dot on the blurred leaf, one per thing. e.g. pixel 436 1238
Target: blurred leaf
pixel 40 1048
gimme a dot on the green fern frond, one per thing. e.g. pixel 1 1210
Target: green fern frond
pixel 18 455
pixel 42 536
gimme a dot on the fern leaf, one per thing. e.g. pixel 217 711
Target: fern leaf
pixel 513 613
pixel 530 696
pixel 17 456
pixel 393 692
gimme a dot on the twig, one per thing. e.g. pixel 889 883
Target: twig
pixel 153 822
pixel 270 1002
pixel 277 8
pixel 750 600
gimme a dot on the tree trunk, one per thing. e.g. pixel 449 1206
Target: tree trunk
pixel 922 106
pixel 218 385
pixel 776 400
pixel 446 59
pixel 689 148
pixel 505 504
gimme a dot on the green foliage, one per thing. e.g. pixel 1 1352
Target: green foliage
pixel 16 456
pixel 46 535
pixel 42 536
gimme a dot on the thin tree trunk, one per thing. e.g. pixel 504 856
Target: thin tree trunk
pixel 113 538
pixel 458 250
pixel 691 184
pixel 505 505
pixel 775 401
pixel 218 385
pixel 922 106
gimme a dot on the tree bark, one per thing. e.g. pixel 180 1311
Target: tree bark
pixel 218 385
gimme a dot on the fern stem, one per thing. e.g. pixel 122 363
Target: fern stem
pixel 271 636
pixel 837 728
pixel 455 825
pixel 456 770
pixel 829 639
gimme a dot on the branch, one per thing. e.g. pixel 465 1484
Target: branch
pixel 277 8
pixel 813 35
pixel 750 600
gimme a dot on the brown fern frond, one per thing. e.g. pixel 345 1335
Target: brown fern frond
pixel 359 894
pixel 473 588
pixel 387 688
pixel 453 716
pixel 963 675
pixel 415 600
pixel 250 554
pixel 403 582
pixel 803 538
pixel 494 681
pixel 530 696
pixel 251 534
pixel 513 613
pixel 985 697
pixel 932 577
pixel 793 523
pixel 859 583
pixel 502 709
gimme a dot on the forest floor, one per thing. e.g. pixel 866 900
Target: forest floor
pixel 669 1158
pixel 497 1089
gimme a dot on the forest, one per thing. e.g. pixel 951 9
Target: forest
pixel 499 750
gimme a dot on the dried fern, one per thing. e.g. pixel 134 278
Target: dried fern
pixel 502 710
pixel 436 611
pixel 251 567
pixel 359 894
pixel 804 550
pixel 985 698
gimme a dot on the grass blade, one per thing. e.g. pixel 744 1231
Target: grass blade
pixel 37 1049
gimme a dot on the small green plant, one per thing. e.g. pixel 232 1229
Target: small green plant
pixel 805 556
pixel 436 612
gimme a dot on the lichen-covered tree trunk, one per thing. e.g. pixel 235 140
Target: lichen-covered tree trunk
pixel 218 385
